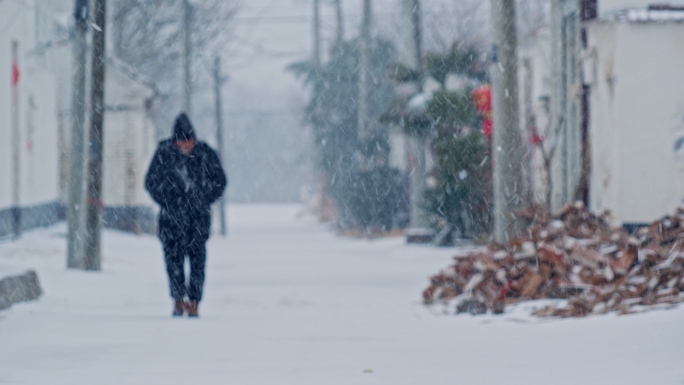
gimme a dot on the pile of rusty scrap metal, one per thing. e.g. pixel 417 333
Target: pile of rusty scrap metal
pixel 574 255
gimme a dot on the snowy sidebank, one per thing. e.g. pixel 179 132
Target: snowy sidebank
pixel 289 303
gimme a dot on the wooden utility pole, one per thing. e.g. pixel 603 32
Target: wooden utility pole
pixel 588 11
pixel 317 33
pixel 507 146
pixel 418 232
pixel 364 46
pixel 187 58
pixel 78 121
pixel 94 205
pixel 566 96
pixel 340 21
pixel 218 83
pixel 417 24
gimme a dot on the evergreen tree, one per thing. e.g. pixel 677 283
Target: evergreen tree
pixel 366 191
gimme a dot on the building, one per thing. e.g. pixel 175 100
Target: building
pixel 603 87
pixel 634 66
pixel 29 150
pixel 35 124
pixel 129 143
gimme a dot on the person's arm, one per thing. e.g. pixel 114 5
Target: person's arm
pixel 216 182
pixel 160 182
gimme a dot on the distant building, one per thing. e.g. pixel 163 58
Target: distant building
pixel 129 143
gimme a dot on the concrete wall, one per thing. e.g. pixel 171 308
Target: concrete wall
pixel 637 119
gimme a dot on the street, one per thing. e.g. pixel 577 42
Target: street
pixel 289 302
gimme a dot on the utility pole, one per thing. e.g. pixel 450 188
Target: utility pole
pixel 316 33
pixel 340 21
pixel 78 119
pixel 588 12
pixel 16 143
pixel 363 116
pixel 94 205
pixel 418 229
pixel 507 146
pixel 187 57
pixel 566 96
pixel 218 83
pixel 417 23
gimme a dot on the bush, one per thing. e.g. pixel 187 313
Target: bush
pixel 462 194
pixel 372 200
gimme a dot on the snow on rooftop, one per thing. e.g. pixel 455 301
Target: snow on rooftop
pixel 651 14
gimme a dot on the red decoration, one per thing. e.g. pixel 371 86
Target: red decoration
pixel 482 97
pixel 535 138
pixel 15 74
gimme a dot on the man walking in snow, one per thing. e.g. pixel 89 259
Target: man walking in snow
pixel 185 178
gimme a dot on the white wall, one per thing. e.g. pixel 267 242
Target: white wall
pixel 539 57
pixel 636 121
pixel 27 22
pixel 604 138
pixel 128 151
pixel 651 70
pixel 128 141
pixel 608 6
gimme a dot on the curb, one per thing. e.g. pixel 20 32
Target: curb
pixel 19 288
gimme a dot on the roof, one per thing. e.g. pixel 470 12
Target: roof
pixel 650 14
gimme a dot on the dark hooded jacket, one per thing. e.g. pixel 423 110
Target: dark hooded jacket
pixel 185 186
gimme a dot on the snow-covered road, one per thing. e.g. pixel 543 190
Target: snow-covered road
pixel 287 302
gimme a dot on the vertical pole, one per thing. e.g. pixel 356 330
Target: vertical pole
pixel 316 33
pixel 417 146
pixel 557 105
pixel 566 107
pixel 340 21
pixel 508 159
pixel 588 11
pixel 528 127
pixel 187 58
pixel 94 205
pixel 417 23
pixel 78 119
pixel 16 143
pixel 218 82
pixel 363 71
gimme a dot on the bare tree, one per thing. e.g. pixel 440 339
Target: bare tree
pixel 467 22
pixel 463 21
pixel 149 35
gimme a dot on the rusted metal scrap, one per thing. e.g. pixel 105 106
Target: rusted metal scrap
pixel 575 255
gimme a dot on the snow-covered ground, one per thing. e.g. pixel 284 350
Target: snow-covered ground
pixel 287 302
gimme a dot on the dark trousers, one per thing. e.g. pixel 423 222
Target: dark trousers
pixel 175 253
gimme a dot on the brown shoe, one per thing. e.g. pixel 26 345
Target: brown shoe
pixel 192 308
pixel 178 308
